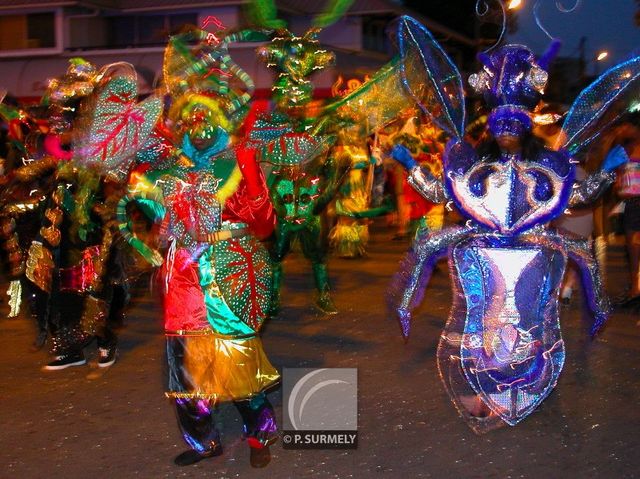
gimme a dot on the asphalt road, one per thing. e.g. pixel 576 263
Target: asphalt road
pixel 83 422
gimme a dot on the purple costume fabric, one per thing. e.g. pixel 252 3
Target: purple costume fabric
pixel 501 352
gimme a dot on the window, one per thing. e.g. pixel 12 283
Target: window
pixel 146 30
pixel 152 30
pixel 374 35
pixel 122 32
pixel 31 31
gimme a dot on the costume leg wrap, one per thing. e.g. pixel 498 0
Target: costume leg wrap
pixel 197 424
pixel 409 283
pixel 321 277
pixel 583 253
pixel 259 419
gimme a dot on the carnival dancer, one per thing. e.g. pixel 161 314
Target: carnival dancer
pixel 27 180
pixel 300 195
pixel 423 215
pixel 350 235
pixel 305 179
pixel 498 356
pixel 69 259
pixel 214 207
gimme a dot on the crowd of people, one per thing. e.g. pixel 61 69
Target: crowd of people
pixel 99 188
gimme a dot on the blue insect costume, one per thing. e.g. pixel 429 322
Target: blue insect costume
pixel 501 351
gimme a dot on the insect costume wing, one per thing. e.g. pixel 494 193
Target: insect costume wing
pixel 599 105
pixel 430 77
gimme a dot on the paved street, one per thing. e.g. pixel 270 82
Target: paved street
pixel 85 423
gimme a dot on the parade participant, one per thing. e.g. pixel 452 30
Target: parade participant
pixel 304 180
pixel 69 259
pixel 497 352
pixel 214 208
pixel 422 215
pixel 80 246
pixel 626 145
pixel 299 197
pixel 349 237
pixel 353 204
pixel 27 180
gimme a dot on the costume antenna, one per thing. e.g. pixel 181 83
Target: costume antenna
pixel 561 8
pixel 482 9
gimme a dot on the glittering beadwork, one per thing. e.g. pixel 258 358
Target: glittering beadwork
pixel 502 347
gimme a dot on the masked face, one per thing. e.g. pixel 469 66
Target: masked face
pixel 203 137
pixel 509 143
pixel 203 128
pixel 509 122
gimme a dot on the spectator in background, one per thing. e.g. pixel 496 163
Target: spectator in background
pixel 626 141
pixel 579 222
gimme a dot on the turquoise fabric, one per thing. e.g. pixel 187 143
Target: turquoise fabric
pixel 219 315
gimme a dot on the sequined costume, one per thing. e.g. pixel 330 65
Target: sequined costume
pixel 349 237
pixel 216 279
pixel 213 207
pixel 26 183
pixel 299 199
pixel 71 265
pixel 70 260
pixel 217 283
pixel 303 180
pixel 498 356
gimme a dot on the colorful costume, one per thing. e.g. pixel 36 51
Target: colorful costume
pixel 213 205
pixel 217 277
pixel 27 181
pixel 303 183
pixel 299 198
pixel 498 356
pixel 424 215
pixel 349 237
pixel 72 260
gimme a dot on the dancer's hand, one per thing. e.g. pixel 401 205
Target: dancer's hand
pixel 402 155
pixel 616 157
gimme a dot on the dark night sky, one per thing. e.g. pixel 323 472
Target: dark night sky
pixel 607 24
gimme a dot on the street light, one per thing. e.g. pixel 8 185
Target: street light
pixel 513 4
pixel 602 54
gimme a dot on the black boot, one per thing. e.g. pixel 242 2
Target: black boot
pixel 192 456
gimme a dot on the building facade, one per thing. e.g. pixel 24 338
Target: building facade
pixel 38 37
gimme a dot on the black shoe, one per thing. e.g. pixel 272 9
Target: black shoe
pixel 191 456
pixel 66 360
pixel 260 456
pixel 107 356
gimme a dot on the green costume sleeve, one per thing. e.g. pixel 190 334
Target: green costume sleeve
pixel 8 113
pixel 334 177
pixel 276 199
pixel 386 207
